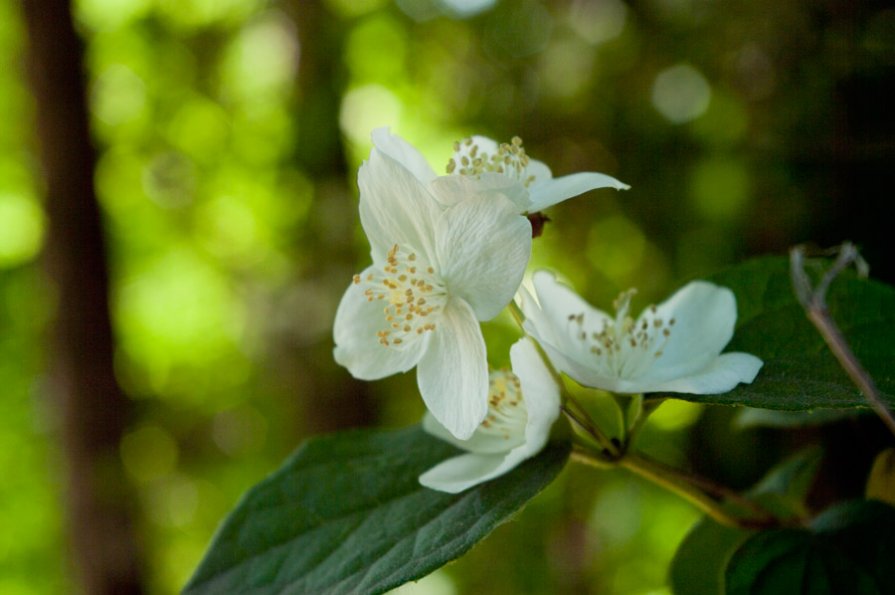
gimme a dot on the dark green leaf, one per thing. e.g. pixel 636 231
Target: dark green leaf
pixel 799 371
pixel 700 561
pixel 345 514
pixel 849 550
pixel 750 417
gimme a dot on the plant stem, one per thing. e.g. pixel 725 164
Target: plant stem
pixel 579 417
pixel 706 495
pixel 587 457
pixel 813 300
pixel 647 408
pixel 703 493
pixel 516 312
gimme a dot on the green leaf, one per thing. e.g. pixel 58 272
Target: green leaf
pixel 749 417
pixel 346 514
pixel 699 563
pixel 849 550
pixel 799 371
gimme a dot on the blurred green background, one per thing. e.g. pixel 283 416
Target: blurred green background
pixel 229 135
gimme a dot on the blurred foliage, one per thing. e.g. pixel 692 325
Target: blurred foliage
pixel 230 131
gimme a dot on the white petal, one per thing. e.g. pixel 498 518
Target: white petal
pixel 453 373
pixel 550 192
pixel 537 170
pixel 558 303
pixel 480 442
pixel 483 249
pixel 453 189
pixel 460 473
pixel 705 315
pixel 540 393
pixel 575 363
pixel 720 376
pixel 539 327
pixel 395 207
pixel 404 153
pixel 485 144
pixel 357 345
pixel 433 428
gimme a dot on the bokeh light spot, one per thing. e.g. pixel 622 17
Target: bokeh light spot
pixel 598 22
pixel 616 247
pixel 200 128
pixel 149 453
pixel 681 93
pixel 566 67
pixel 172 502
pixel 262 60
pixel 466 8
pixel 118 95
pixel 725 122
pixel 169 179
pixel 109 14
pixel 615 516
pixel 194 14
pixel 719 188
pixel 368 107
pixel 376 49
pixel 177 310
pixel 21 229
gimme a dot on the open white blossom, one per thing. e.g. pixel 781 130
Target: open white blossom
pixel 437 270
pixel 523 405
pixel 673 347
pixel 480 165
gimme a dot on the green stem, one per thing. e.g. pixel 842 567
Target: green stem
pixel 587 457
pixel 705 494
pixel 575 412
pixel 516 312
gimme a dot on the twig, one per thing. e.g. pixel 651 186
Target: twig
pixel 687 486
pixel 813 300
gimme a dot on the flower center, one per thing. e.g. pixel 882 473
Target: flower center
pixel 412 295
pixel 470 159
pixel 625 348
pixel 507 414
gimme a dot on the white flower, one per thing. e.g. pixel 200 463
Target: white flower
pixel 436 272
pixel 673 347
pixel 523 404
pixel 481 165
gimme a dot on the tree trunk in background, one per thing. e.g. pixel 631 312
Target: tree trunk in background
pixel 330 400
pixel 93 409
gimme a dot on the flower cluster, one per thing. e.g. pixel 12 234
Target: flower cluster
pixel 450 251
